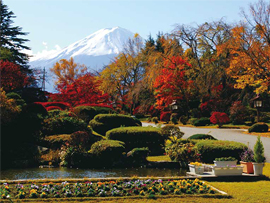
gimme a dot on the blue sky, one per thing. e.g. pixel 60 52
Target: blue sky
pixel 58 23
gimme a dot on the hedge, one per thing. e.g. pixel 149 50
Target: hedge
pixel 137 156
pixel 56 141
pixel 202 122
pixel 107 153
pixel 136 137
pixel 258 127
pixel 202 137
pixel 63 125
pixel 105 122
pixel 211 149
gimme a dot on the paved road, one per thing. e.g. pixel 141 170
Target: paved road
pixel 227 134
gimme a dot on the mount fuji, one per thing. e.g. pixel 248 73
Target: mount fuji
pixel 95 51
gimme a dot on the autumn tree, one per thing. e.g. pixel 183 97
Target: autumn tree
pixel 12 77
pixel 172 83
pixel 249 48
pixel 120 78
pixel 67 71
pixel 83 90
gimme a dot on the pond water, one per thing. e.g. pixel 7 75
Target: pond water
pixel 40 173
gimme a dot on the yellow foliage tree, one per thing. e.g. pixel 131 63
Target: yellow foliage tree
pixel 66 71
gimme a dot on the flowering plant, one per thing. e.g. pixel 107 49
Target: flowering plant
pixel 247 155
pixel 196 163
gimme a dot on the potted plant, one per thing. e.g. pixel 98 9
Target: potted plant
pixel 258 157
pixel 225 161
pixel 247 157
pixel 196 167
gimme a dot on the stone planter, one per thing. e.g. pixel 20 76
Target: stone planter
pixel 248 167
pixel 228 171
pixel 258 168
pixel 225 163
pixel 196 169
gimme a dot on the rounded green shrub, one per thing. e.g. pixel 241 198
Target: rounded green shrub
pixel 138 155
pixel 171 132
pixel 85 113
pixel 202 122
pixel 192 120
pixel 105 122
pixel 258 127
pixel 107 152
pixel 56 141
pixel 202 137
pixel 183 119
pixel 60 113
pixel 63 125
pixel 137 137
pixel 211 149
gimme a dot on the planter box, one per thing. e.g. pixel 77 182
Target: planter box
pixel 225 163
pixel 228 171
pixel 248 167
pixel 196 169
pixel 258 168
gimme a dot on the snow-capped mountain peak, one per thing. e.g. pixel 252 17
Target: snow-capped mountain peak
pixel 94 51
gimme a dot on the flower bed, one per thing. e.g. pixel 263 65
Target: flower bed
pixel 105 189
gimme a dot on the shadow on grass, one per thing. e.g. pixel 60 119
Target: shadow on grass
pixel 237 178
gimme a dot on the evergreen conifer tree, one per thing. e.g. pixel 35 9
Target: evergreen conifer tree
pixel 11 43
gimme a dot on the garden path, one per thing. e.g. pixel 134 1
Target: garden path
pixel 236 135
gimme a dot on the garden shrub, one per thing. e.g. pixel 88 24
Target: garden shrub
pixel 62 105
pixel 264 117
pixel 208 150
pixel 105 122
pixel 60 113
pixel 202 122
pixel 83 139
pixel 107 152
pixel 63 125
pixel 165 116
pixel 219 118
pixel 155 120
pixel 182 152
pixel 202 137
pixel 50 108
pixel 173 118
pixel 211 149
pixel 183 119
pixel 138 155
pixel 19 101
pixel 137 137
pixel 86 113
pixel 56 141
pixel 171 132
pixel 258 127
pixel 192 120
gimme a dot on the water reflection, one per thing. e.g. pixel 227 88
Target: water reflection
pixel 37 173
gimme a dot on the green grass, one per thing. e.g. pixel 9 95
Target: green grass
pixel 158 158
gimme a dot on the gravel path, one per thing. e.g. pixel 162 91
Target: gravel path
pixel 236 135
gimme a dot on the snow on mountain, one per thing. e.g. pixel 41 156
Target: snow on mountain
pixel 95 51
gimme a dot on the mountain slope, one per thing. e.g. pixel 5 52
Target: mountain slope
pixel 95 51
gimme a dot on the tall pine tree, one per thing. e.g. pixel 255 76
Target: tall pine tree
pixel 10 39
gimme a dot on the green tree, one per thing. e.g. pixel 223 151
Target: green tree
pixel 10 38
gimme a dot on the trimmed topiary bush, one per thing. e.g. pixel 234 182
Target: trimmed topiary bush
pixel 258 127
pixel 183 119
pixel 192 121
pixel 138 155
pixel 107 152
pixel 171 132
pixel 202 122
pixel 202 137
pixel 63 125
pixel 105 122
pixel 137 137
pixel 211 149
pixel 86 113
pixel 56 141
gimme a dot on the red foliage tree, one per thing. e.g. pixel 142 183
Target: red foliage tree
pixel 11 76
pixel 165 116
pixel 219 118
pixel 83 90
pixel 172 83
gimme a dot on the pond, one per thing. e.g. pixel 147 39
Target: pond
pixel 54 173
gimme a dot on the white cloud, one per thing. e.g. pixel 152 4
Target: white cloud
pixel 45 53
